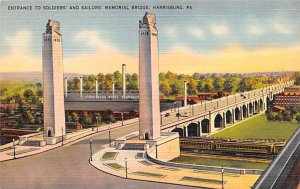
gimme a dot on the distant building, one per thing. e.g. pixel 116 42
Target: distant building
pixel 290 97
pixel 202 97
pixel 73 126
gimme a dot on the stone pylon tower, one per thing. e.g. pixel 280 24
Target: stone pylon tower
pixel 149 107
pixel 54 110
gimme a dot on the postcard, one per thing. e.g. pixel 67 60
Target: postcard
pixel 150 94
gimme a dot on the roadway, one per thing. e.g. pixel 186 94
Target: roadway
pixel 68 167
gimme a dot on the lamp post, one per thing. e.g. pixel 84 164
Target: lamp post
pixel 91 152
pixel 125 167
pixel 178 112
pixel 14 147
pixel 192 109
pixel 109 133
pixel 222 171
pixel 97 119
pixel 62 136
pixel 122 118
pixel 156 150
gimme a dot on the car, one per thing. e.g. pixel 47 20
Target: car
pixel 167 114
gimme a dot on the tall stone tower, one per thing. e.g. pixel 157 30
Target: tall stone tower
pixel 54 110
pixel 149 109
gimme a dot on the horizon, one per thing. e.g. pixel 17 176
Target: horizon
pixel 212 37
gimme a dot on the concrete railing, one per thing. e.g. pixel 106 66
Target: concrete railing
pixel 151 152
pixel 277 172
pixel 8 145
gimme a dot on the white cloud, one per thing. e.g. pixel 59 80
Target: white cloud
pixel 19 58
pixel 92 39
pixel 220 30
pixel 196 32
pixel 171 32
pixel 282 29
pixel 255 30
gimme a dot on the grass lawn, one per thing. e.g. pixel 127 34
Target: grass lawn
pixel 147 174
pixel 220 162
pixel 196 179
pixel 109 155
pixel 259 128
pixel 115 166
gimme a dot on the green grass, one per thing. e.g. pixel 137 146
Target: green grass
pixel 115 166
pixel 147 163
pixel 147 174
pixel 196 179
pixel 109 155
pixel 220 162
pixel 259 128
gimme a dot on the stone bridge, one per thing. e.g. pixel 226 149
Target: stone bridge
pixel 214 115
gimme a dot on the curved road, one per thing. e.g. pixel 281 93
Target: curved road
pixel 68 167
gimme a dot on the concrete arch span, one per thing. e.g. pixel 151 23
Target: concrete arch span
pixel 218 122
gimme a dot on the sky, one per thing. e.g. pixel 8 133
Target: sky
pixel 214 36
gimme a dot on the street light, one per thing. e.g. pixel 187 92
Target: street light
pixel 62 136
pixel 109 133
pixel 122 118
pixel 125 167
pixel 97 119
pixel 178 112
pixel 192 109
pixel 91 152
pixel 14 147
pixel 222 171
pixel 156 150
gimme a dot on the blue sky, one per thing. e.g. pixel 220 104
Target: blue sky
pixel 209 27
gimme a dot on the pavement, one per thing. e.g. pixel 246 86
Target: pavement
pixel 166 174
pixel 23 151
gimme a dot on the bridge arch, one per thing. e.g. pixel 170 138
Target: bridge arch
pixel 237 113
pixel 261 105
pixel 244 110
pixel 229 117
pixel 192 130
pixel 256 107
pixel 205 126
pixel 250 108
pixel 218 122
pixel 179 130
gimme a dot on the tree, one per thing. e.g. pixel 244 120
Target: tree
pixel 192 87
pixel 165 88
pixel 68 117
pixel 112 119
pixel 28 94
pixel 171 75
pixel 298 118
pixel 219 84
pixel 200 86
pixel 208 87
pixel 86 119
pixel 39 93
pixel 271 116
pixel 231 84
pixel 97 118
pixel 30 118
pixel 117 78
pixel 74 116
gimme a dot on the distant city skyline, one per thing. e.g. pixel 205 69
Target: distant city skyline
pixel 215 36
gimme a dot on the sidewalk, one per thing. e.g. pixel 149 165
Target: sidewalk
pixel 23 151
pixel 141 169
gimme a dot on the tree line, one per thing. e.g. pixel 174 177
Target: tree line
pixel 172 84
